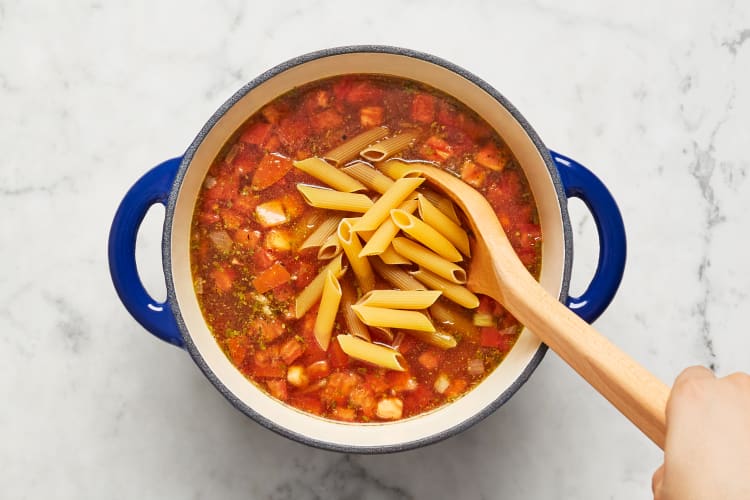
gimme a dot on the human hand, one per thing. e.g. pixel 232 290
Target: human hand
pixel 707 451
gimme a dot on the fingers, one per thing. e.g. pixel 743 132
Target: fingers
pixel 656 482
pixel 694 373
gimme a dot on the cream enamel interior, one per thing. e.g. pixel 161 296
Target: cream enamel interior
pixel 365 435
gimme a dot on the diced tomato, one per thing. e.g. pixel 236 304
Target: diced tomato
pixel 486 305
pixel 338 357
pixel 456 388
pixel 293 204
pixel 245 203
pixel 447 114
pixel 271 169
pixel 492 157
pixel 318 370
pixel 267 329
pixel 423 108
pixel 223 278
pixel 269 371
pixel 305 274
pixel 407 344
pixel 399 381
pixel 284 292
pixel 273 143
pixel 473 174
pixel 292 132
pixel 371 116
pixel 246 237
pixel 474 128
pixel 278 388
pixel 340 385
pixel 376 381
pixel 209 217
pixel 317 100
pixel 362 92
pixel 326 120
pixel 271 278
pixel 263 259
pixel 268 364
pixel 256 133
pixel 225 188
pixel 436 149
pixel 430 359
pixel 271 113
pixel 343 413
pixel 363 398
pixel 305 327
pixel 238 349
pixel 291 350
pixel 494 337
pixel 231 219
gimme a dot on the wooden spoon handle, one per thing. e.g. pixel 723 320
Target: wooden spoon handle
pixel 630 387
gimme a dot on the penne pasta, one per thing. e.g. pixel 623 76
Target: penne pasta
pixel 352 248
pixel 334 200
pixel 393 318
pixel 330 248
pixel 429 260
pixel 443 224
pixel 329 175
pixel 426 235
pixel 376 354
pixel 353 324
pixel 381 239
pixel 392 198
pixel 396 169
pixel 447 313
pixel 389 147
pixel 451 291
pixel 321 233
pixel 370 177
pixel 329 307
pixel 312 292
pixel 352 147
pixel 400 299
pixel 439 339
pixel 393 258
pixel 396 276
pixel 442 203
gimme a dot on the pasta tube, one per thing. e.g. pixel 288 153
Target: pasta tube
pixel 334 200
pixel 369 176
pixel 451 291
pixel 329 175
pixel 443 224
pixel 429 260
pixel 376 354
pixel 351 148
pixel 389 147
pixel 353 324
pixel 426 235
pixel 329 306
pixel 393 318
pixel 396 276
pixel 352 248
pixel 400 299
pixel 312 292
pixel 383 236
pixel 322 232
pixel 392 198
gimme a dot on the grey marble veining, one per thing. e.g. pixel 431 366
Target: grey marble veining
pixel 655 100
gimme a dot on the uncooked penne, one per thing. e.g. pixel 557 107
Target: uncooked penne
pixel 331 247
pixel 400 299
pixel 393 258
pixel 312 292
pixel 352 248
pixel 426 235
pixel 443 224
pixel 353 324
pixel 396 276
pixel 329 175
pixel 329 307
pixel 334 200
pixel 393 318
pixel 370 177
pixel 352 147
pixel 388 230
pixel 442 203
pixel 437 338
pixel 396 169
pixel 380 210
pixel 429 260
pixel 451 291
pixel 376 354
pixel 447 313
pixel 389 147
pixel 321 233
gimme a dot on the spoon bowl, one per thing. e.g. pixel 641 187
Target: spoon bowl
pixel 496 271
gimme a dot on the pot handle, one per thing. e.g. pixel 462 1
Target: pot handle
pixel 154 316
pixel 580 182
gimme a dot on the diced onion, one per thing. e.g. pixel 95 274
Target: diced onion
pixel 221 240
pixel 441 383
pixel 475 367
pixel 390 409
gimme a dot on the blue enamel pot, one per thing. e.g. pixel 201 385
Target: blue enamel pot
pixel 553 178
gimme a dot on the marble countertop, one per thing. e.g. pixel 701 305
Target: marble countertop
pixel 655 100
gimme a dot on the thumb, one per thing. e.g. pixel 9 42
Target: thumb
pixel 656 482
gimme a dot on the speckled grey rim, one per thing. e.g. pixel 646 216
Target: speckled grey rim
pixel 167 259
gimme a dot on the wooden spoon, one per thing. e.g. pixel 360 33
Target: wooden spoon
pixel 496 271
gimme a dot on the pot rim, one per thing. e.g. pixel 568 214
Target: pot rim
pixel 167 257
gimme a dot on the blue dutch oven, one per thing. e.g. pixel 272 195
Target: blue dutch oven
pixel 553 178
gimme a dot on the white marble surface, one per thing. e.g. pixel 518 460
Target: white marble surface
pixel 654 97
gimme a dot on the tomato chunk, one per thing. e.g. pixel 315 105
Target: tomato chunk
pixel 371 116
pixel 291 350
pixel 326 120
pixel 423 108
pixel 278 389
pixel 223 278
pixel 473 174
pixel 492 157
pixel 272 277
pixel 271 169
pixel 256 133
